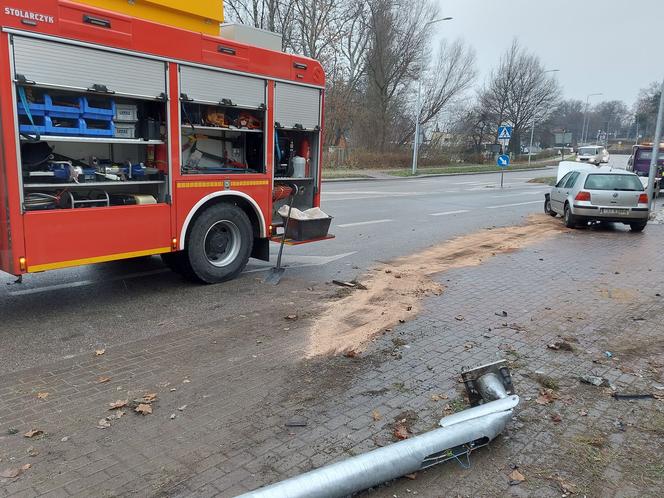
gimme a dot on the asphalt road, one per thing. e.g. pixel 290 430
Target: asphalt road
pixel 63 313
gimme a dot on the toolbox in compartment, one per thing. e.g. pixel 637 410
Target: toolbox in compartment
pixel 127 113
pixel 125 130
pixel 299 230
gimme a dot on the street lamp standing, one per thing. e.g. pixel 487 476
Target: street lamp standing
pixel 654 160
pixel 419 103
pixel 532 130
pixel 586 121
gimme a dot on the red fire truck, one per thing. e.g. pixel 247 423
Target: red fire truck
pixel 123 137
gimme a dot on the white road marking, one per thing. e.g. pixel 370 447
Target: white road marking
pixel 445 213
pixel 515 204
pixel 83 283
pixel 290 261
pixel 362 223
pixel 296 261
pixel 473 183
pixel 517 194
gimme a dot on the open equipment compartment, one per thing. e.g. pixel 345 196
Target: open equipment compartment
pixel 93 126
pixel 297 142
pixel 223 119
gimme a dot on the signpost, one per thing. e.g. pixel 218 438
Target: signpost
pixel 503 163
pixel 504 132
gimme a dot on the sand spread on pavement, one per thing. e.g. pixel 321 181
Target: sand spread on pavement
pixel 395 290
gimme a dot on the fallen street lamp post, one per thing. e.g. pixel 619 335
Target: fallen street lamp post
pixel 491 394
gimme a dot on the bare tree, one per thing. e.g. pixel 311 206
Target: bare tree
pixel 453 74
pixel 519 90
pixel 398 36
pixel 346 69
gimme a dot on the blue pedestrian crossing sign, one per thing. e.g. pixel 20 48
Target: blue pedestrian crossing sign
pixel 504 132
pixel 503 161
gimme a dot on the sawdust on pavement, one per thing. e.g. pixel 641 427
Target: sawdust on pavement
pixel 395 291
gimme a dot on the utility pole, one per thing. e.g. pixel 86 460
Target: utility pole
pixel 655 148
pixel 418 112
pixel 586 121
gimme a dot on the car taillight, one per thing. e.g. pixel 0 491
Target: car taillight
pixel 643 199
pixel 582 196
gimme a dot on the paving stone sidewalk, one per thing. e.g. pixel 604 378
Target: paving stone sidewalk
pixel 226 391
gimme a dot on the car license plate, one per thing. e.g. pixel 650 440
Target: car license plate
pixel 614 211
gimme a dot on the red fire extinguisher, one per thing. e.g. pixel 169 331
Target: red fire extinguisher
pixel 305 152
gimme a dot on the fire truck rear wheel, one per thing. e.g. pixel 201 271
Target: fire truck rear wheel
pixel 219 243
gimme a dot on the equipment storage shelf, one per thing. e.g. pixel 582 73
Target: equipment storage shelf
pixel 222 138
pixel 135 141
pixel 91 149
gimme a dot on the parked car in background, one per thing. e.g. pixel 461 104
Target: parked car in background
pixel 639 163
pixel 602 194
pixel 595 154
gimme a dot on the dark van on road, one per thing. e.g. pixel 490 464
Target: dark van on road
pixel 639 163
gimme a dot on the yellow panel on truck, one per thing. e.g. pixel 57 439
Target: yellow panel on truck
pixel 200 15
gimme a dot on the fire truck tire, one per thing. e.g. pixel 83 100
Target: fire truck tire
pixel 178 262
pixel 219 244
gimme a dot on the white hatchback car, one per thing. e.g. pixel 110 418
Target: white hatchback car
pixel 594 154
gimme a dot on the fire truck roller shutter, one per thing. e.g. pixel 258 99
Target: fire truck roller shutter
pixel 297 105
pixel 68 66
pixel 204 85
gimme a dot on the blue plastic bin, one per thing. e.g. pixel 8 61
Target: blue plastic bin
pixel 57 110
pixel 105 113
pixel 93 128
pixel 26 127
pixel 64 127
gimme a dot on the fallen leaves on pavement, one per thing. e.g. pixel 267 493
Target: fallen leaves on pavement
pixel 143 409
pixel 546 397
pixel 516 477
pixel 556 418
pixel 13 473
pixel 42 395
pixel 401 432
pixel 439 397
pixel 99 352
pixel 121 403
pixel 561 346
pixel 33 433
pixel 103 424
pixel 103 379
pixel 375 415
pixel 292 316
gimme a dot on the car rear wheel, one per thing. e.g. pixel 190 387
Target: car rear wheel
pixel 547 207
pixel 570 219
pixel 638 227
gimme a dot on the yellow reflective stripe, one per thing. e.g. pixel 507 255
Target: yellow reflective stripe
pixel 249 183
pixel 98 259
pixel 200 184
pixel 234 183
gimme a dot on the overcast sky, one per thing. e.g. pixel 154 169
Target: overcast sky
pixel 598 45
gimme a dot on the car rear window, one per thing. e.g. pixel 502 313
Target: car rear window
pixel 613 182
pixel 588 151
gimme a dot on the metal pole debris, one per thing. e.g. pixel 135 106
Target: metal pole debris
pixel 458 436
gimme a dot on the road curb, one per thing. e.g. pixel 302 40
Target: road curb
pixel 433 175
